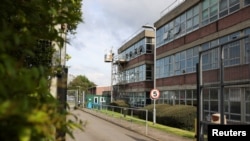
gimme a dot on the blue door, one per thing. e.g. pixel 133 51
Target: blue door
pixel 89 105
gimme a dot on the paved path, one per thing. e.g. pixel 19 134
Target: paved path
pixel 153 133
pixel 97 129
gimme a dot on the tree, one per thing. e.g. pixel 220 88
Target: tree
pixel 82 82
pixel 28 27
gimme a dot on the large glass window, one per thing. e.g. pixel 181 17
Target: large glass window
pixel 233 103
pixel 191 59
pixel 158 67
pixel 232 51
pixel 141 73
pixel 247 2
pixel 168 66
pixel 161 68
pixel 149 45
pixel 149 72
pixel 132 75
pixel 209 11
pixel 182 62
pixel 211 102
pixel 141 47
pixel 228 6
pixel 186 22
pixel 177 64
pixel 210 58
pixel 192 18
pixel 183 24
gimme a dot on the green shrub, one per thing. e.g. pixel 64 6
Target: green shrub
pixel 118 104
pixel 28 111
pixel 178 116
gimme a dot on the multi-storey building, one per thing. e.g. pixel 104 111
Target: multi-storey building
pixel 211 33
pixel 196 26
pixel 134 69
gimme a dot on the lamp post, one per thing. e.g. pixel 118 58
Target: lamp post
pixel 154 29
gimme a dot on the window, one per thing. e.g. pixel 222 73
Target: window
pixel 228 6
pixel 233 103
pixel 141 49
pixel 149 44
pixel 157 71
pixel 247 2
pixel 183 62
pixel 210 59
pixel 247 46
pixel 131 75
pixel 166 67
pixel 161 68
pixel 148 72
pixel 136 51
pixel 102 99
pixel 191 59
pixel 192 19
pixel 126 75
pixel 142 71
pixel 136 77
pixel 149 48
pixel 232 51
pixel 131 55
pixel 209 11
pixel 182 24
pixel 95 100
pixel 189 19
pixel 177 64
pixel 211 102
pixel 177 27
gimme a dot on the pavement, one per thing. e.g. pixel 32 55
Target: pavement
pixel 153 133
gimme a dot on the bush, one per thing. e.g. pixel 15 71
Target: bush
pixel 118 105
pixel 28 111
pixel 178 116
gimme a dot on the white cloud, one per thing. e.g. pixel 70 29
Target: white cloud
pixel 107 24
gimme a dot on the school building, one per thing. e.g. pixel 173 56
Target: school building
pixel 211 33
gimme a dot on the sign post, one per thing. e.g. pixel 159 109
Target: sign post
pixel 154 94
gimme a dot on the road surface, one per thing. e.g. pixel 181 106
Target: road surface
pixel 100 130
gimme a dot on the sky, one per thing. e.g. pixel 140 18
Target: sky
pixel 108 24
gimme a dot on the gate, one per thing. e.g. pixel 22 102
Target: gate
pixel 72 98
pixel 223 85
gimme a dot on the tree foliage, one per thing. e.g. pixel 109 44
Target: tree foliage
pixel 27 109
pixel 81 82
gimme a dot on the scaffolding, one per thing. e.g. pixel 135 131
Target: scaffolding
pixel 118 63
pixel 119 78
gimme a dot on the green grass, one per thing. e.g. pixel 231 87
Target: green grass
pixel 167 129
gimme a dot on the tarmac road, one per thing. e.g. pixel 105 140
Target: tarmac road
pixel 101 130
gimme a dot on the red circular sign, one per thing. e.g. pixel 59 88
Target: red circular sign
pixel 154 94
